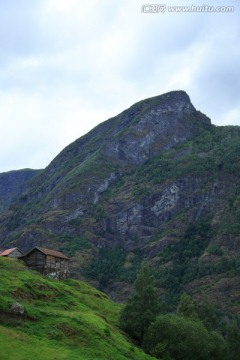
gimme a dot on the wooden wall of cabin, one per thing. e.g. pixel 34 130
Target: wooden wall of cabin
pixel 47 264
pixel 36 260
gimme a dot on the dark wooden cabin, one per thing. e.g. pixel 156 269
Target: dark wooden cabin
pixel 12 253
pixel 48 262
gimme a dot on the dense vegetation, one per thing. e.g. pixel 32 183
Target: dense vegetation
pixel 110 265
pixel 142 306
pixel 193 332
pixel 183 256
pixel 62 319
pixel 71 320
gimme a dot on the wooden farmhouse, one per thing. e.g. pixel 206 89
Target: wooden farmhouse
pixel 12 253
pixel 48 262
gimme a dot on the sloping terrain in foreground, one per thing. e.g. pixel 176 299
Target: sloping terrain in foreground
pixel 61 320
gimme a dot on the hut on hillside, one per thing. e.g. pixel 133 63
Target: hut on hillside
pixel 12 253
pixel 48 262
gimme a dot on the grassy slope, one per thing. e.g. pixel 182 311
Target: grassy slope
pixel 62 320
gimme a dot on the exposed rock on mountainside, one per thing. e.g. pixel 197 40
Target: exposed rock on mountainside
pixel 156 181
pixel 13 184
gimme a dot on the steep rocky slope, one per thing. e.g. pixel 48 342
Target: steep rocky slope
pixel 13 184
pixel 156 181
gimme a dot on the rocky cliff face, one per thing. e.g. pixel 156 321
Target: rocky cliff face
pixel 134 187
pixel 155 128
pixel 140 133
pixel 13 184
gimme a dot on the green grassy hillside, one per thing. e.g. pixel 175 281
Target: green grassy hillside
pixel 62 319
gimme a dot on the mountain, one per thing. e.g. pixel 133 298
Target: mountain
pixel 12 185
pixel 157 181
pixel 61 319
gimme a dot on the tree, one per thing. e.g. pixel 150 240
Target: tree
pixel 186 307
pixel 176 337
pixel 233 340
pixel 142 307
pixel 207 314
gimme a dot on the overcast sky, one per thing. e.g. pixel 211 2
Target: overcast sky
pixel 67 65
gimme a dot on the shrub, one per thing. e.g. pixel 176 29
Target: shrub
pixel 175 337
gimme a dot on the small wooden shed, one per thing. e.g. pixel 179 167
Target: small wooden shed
pixel 12 253
pixel 48 262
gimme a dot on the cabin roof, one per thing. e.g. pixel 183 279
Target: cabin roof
pixel 9 251
pixel 50 252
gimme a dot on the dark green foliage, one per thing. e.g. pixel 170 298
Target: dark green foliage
pixel 109 266
pixel 142 307
pixel 207 314
pixel 193 334
pixel 73 244
pixel 184 254
pixel 99 213
pixel 228 266
pixel 187 307
pixel 214 150
pixel 203 311
pixel 231 218
pixel 173 337
pixel 214 250
pixel 233 339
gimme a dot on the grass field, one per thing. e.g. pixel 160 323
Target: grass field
pixel 62 320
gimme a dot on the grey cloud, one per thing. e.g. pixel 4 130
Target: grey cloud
pixel 107 57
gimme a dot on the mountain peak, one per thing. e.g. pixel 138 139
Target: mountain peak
pixel 155 125
pixel 118 195
pixel 174 96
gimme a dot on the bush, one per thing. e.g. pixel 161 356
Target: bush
pixel 214 250
pixel 173 337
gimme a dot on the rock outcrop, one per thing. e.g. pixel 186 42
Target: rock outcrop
pixel 137 181
pixel 13 184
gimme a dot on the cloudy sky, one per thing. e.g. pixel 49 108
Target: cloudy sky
pixel 67 65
